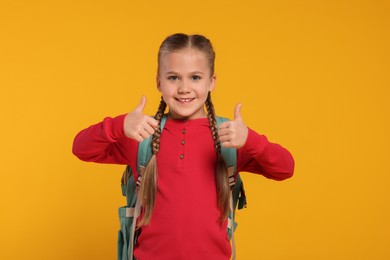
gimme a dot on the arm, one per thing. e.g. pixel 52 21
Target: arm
pixel 115 140
pixel 260 156
pixel 254 152
pixel 105 142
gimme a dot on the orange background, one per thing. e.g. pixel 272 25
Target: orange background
pixel 311 75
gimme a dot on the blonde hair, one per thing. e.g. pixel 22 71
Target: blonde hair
pixel 148 190
pixel 181 41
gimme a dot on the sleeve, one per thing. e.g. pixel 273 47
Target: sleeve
pixel 105 142
pixel 260 156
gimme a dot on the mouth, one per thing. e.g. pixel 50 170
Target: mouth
pixel 184 100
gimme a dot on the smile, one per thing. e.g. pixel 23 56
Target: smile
pixel 185 100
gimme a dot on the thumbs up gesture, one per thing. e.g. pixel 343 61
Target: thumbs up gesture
pixel 137 125
pixel 233 134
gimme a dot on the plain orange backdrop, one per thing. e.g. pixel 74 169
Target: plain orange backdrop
pixel 311 75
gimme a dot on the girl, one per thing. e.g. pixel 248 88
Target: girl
pixel 184 213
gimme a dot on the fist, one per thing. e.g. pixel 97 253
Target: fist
pixel 137 125
pixel 233 134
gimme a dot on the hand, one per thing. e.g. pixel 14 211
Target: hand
pixel 233 134
pixel 137 125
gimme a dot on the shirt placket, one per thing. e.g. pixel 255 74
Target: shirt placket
pixel 182 155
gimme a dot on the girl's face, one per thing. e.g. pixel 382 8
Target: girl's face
pixel 184 80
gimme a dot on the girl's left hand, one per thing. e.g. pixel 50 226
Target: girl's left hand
pixel 233 134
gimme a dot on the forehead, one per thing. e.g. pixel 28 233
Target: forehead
pixel 184 60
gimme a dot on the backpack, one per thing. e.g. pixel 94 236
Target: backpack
pixel 127 235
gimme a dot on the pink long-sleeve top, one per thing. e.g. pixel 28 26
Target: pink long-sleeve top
pixel 184 223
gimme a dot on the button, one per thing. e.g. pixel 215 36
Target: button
pixel 183 142
pixel 184 131
pixel 181 156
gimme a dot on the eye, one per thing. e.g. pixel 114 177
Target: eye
pixel 173 78
pixel 196 77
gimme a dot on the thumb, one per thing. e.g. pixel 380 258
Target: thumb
pixel 237 112
pixel 141 104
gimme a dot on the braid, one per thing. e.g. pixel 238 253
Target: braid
pixel 148 189
pixel 221 175
pixel 213 123
pixel 157 133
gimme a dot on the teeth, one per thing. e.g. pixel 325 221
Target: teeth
pixel 185 99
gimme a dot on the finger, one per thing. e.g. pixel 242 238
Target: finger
pixel 223 132
pixel 138 138
pixel 151 121
pixel 141 104
pixel 224 125
pixel 149 129
pixel 237 112
pixel 224 139
pixel 144 134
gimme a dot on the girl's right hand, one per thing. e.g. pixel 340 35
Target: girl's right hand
pixel 137 125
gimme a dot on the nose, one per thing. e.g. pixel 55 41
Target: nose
pixel 184 87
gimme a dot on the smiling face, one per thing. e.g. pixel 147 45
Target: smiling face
pixel 184 79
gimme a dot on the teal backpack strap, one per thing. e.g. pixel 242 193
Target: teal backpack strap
pixel 230 157
pixel 228 154
pixel 126 213
pixel 237 187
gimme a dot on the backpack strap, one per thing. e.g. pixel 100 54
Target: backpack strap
pixel 228 154
pixel 230 157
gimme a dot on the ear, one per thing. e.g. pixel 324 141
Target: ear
pixel 158 83
pixel 212 82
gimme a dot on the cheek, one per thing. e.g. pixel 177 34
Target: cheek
pixel 206 88
pixel 166 89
